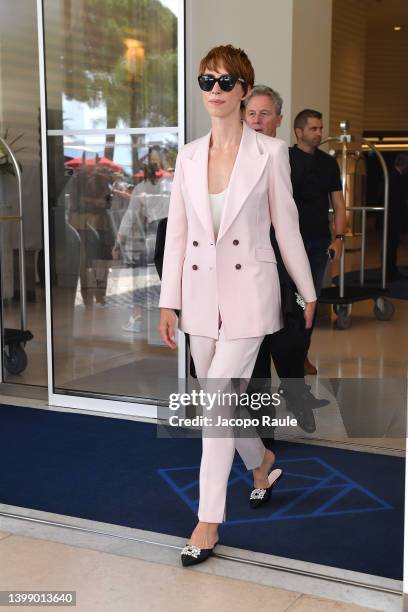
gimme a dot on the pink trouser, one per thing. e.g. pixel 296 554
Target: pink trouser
pixel 216 363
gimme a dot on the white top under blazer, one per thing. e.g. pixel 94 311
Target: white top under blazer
pixel 217 206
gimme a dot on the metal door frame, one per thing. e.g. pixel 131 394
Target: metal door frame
pixel 115 404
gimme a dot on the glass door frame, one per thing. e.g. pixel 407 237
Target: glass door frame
pixel 146 409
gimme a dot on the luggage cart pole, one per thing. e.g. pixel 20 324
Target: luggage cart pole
pixel 384 210
pixel 363 244
pixel 385 227
pixel 344 139
pixel 19 218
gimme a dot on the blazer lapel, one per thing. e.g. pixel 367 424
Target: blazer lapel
pixel 196 178
pixel 248 168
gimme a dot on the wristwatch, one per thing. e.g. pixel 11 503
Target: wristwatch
pixel 340 237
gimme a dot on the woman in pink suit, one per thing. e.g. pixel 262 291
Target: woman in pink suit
pixel 219 268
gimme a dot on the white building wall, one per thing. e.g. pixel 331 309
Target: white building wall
pixel 289 44
pixel 263 28
pixel 311 58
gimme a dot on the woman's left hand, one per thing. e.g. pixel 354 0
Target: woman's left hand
pixel 167 327
pixel 309 314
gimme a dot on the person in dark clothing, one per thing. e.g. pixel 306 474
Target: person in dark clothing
pixel 397 213
pixel 316 185
pixel 263 113
pixel 89 200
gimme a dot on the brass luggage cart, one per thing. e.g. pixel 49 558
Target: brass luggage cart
pixel 342 297
pixel 14 340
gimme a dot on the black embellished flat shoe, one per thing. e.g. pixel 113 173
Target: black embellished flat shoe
pixel 192 555
pixel 259 497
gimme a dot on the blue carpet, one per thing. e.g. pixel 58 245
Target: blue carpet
pixel 334 507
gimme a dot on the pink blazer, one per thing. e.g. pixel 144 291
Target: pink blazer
pixel 235 276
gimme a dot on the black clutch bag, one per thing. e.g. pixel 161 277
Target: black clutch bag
pixel 293 306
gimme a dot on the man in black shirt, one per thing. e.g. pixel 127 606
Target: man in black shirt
pixel 263 113
pixel 316 184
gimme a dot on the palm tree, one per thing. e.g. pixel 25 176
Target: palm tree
pixel 124 53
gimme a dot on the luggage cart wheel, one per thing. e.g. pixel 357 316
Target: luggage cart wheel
pixel 15 359
pixel 383 309
pixel 343 312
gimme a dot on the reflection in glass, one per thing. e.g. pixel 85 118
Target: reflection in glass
pixel 110 65
pixel 105 289
pixel 113 63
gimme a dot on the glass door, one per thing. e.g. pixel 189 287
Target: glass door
pixel 112 79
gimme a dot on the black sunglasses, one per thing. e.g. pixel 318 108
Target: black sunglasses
pixel 226 81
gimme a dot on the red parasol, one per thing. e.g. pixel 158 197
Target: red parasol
pixel 159 174
pixel 102 161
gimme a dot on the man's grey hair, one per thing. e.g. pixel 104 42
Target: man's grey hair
pixel 264 90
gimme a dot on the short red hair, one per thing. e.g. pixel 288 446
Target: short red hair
pixel 234 60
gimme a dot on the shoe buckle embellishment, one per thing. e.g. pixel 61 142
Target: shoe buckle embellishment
pixel 191 551
pixel 258 494
pixel 300 301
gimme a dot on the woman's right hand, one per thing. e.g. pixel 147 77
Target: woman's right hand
pixel 167 327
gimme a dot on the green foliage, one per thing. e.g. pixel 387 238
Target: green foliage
pixel 97 69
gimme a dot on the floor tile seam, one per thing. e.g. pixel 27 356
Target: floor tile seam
pixel 298 598
pixel 7 537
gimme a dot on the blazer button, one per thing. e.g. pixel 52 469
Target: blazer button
pixel 195 243
pixel 238 266
pixel 235 242
pixel 195 267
